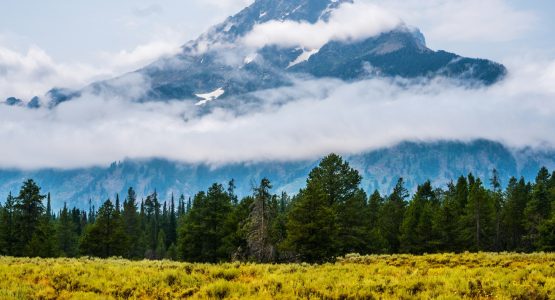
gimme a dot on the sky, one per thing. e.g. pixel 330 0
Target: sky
pixel 71 43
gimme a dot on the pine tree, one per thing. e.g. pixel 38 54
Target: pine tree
pixel 333 193
pixel 231 192
pixel 202 232
pixel 172 224
pixel 376 241
pixel 311 226
pixel 498 202
pixel 8 217
pixel 392 216
pixel 30 210
pixel 417 228
pixel 181 207
pixel 152 224
pixel 278 229
pixel 118 208
pixel 161 245
pixel 448 221
pixel 479 218
pixel 67 236
pixel 235 240
pixel 538 209
pixel 259 224
pixel 132 225
pixel 106 237
pixel 49 208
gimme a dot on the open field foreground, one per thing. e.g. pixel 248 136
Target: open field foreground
pixel 442 276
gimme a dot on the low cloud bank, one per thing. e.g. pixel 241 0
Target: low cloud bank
pixel 308 120
pixel 349 22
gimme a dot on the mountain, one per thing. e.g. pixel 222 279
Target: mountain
pixel 440 162
pixel 218 65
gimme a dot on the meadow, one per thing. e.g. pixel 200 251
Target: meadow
pixel 440 276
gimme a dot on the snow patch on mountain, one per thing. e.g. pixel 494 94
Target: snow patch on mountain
pixel 210 96
pixel 305 56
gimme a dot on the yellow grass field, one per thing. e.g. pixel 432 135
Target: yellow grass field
pixel 441 276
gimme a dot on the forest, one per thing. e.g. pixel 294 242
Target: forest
pixel 328 218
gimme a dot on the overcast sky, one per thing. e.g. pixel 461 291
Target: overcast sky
pixel 72 42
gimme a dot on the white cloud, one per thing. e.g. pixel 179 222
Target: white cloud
pixel 34 72
pixel 228 5
pixel 464 21
pixel 306 121
pixel 349 22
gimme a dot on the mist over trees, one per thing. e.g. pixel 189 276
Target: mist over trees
pixel 330 217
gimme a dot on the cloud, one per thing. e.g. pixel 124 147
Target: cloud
pixel 349 22
pixel 311 119
pixel 308 120
pixel 33 72
pixel 227 4
pixel 146 11
pixel 464 21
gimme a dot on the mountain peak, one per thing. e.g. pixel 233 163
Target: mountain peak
pixel 221 60
pixel 262 11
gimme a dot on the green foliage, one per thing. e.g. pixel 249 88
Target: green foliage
pixel 202 231
pixel 30 211
pixel 106 237
pixel 418 229
pixel 329 217
pixel 391 217
pixel 67 235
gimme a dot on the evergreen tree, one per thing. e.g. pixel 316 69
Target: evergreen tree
pixel 49 208
pixel 152 224
pixel 235 240
pixel 498 203
pixel 202 232
pixel 513 221
pixel 67 236
pixel 231 192
pixel 376 241
pixel 30 210
pixel 106 237
pixel 259 223
pixel 278 228
pixel 479 217
pixel 332 193
pixel 538 209
pixel 132 225
pixel 392 216
pixel 8 235
pixel 172 224
pixel 311 226
pixel 417 228
pixel 181 207
pixel 44 241
pixel 161 245
pixel 449 218
pixel 118 208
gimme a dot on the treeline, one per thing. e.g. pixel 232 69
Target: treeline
pixel 331 216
